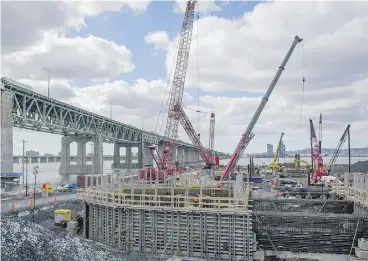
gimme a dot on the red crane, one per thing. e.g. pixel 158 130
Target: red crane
pixel 206 154
pixel 248 135
pixel 317 160
pixel 165 162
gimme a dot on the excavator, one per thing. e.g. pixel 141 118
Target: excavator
pixel 298 162
pixel 274 165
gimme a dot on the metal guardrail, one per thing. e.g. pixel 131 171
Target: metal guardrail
pixel 123 191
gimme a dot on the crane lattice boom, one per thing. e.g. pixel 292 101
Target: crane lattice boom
pixel 188 127
pixel 338 148
pixel 248 135
pixel 273 164
pixel 177 90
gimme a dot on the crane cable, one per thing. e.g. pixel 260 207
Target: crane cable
pixel 166 89
pixel 198 90
pixel 303 83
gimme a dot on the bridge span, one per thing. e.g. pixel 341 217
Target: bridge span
pixel 22 107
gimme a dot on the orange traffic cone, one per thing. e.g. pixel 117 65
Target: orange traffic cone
pixel 54 199
pixel 12 206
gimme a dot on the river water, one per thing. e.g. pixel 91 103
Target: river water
pixel 49 172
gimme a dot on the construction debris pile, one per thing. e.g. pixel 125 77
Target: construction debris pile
pixel 21 239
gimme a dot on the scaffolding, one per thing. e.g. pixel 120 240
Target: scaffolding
pixel 168 218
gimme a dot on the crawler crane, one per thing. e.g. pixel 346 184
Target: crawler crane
pixel 248 134
pixel 176 112
pixel 317 160
pixel 164 162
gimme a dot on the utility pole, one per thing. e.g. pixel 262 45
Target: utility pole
pixel 26 176
pixel 48 81
pixel 23 155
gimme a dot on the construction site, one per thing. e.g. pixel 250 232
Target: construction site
pixel 300 211
pixel 211 212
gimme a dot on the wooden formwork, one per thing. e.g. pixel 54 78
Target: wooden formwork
pixel 225 235
pixel 194 222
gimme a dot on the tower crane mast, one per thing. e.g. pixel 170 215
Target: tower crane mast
pixel 248 135
pixel 165 161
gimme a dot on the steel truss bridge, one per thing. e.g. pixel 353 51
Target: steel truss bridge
pixel 37 112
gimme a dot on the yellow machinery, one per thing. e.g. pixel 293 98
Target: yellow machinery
pixel 47 187
pixel 273 164
pixel 62 215
pixel 298 161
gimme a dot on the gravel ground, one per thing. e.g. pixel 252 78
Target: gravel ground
pixel 23 240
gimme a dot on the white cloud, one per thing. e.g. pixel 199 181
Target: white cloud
pixel 242 56
pixel 38 19
pixel 239 58
pixel 91 57
pixel 203 7
pixel 159 39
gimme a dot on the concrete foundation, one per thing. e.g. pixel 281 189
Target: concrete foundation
pixel 148 217
pixel 6 128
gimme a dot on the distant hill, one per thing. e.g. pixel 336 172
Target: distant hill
pixel 353 151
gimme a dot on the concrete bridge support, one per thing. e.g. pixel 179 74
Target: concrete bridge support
pixel 146 156
pixel 128 164
pixel 180 155
pixel 6 129
pixel 81 168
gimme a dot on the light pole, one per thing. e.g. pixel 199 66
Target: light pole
pixel 26 176
pixel 35 172
pixel 48 82
pixel 23 169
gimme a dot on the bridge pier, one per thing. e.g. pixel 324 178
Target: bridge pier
pixel 81 168
pixel 6 126
pixel 180 155
pixel 128 164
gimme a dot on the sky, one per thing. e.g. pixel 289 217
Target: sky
pixel 121 53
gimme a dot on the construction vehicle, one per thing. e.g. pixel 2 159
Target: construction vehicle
pixel 336 154
pixel 274 166
pixel 318 169
pixel 298 161
pixel 248 134
pixel 164 162
pixel 176 112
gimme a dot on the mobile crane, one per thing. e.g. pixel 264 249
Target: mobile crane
pixel 274 164
pixel 248 134
pixel 298 161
